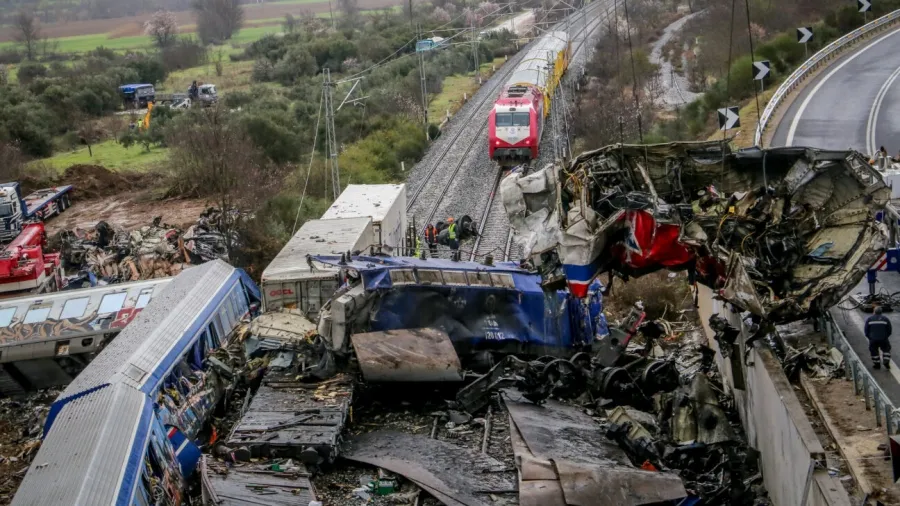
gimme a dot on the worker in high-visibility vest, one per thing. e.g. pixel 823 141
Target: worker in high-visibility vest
pixel 418 247
pixel 451 234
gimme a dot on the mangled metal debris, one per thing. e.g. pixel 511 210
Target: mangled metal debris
pixel 153 251
pixel 565 459
pixel 293 419
pixel 455 476
pixel 777 232
pixel 283 483
pixel 407 355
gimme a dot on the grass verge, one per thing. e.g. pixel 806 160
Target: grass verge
pixel 745 133
pixel 454 88
pixel 109 154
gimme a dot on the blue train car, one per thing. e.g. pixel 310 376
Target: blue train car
pixel 479 307
pixel 121 432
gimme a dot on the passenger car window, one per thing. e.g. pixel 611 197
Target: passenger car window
pixel 74 308
pixel 112 302
pixel 144 298
pixel 6 316
pixel 36 315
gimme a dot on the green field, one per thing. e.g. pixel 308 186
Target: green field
pixel 235 76
pixel 109 154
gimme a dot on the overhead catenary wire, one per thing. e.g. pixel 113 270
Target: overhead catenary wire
pixel 728 79
pixel 752 56
pixel 312 156
pixel 636 86
pixel 390 58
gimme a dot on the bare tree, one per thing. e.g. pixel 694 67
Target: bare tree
pixel 12 162
pixel 28 32
pixel 290 23
pixel 350 8
pixel 215 158
pixel 217 20
pixel 163 27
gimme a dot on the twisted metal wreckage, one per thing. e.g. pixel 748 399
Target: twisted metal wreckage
pixel 778 232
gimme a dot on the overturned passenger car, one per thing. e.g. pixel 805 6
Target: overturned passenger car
pixel 777 232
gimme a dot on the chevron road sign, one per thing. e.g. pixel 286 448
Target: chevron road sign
pixel 729 118
pixel 761 68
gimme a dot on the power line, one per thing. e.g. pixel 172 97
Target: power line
pixel 636 85
pixel 312 155
pixel 752 57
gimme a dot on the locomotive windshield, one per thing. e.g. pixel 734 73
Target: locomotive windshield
pixel 507 119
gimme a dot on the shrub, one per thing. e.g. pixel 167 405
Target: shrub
pixel 29 71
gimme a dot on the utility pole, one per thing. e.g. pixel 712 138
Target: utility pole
pixel 331 143
pixel 475 52
pixel 330 11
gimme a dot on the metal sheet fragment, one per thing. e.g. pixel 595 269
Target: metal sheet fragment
pixel 564 459
pixel 454 475
pixel 407 355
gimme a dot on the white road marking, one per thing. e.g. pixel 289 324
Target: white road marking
pixel 796 121
pixel 876 109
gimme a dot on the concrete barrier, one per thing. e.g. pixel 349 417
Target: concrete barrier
pixel 792 458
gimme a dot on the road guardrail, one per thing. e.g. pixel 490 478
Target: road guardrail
pixel 864 384
pixel 822 58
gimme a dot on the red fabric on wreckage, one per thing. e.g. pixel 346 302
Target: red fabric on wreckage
pixel 649 243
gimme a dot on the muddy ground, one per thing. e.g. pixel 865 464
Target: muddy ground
pixel 127 200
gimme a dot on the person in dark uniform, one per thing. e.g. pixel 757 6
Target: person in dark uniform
pixel 878 331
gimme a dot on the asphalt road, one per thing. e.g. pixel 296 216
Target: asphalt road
pixel 855 103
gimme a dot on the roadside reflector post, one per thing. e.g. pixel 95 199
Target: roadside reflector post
pixel 402 166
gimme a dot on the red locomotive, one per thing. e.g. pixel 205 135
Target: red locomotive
pixel 517 120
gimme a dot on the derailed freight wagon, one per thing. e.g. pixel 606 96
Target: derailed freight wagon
pixel 293 281
pixel 384 203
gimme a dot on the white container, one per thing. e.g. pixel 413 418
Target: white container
pixel 290 282
pixel 385 204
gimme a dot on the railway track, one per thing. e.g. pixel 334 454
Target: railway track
pixel 429 195
pixel 495 237
pixel 494 233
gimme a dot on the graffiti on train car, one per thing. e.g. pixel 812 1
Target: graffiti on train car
pixel 18 332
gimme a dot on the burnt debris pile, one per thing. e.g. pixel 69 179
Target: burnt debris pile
pixel 107 254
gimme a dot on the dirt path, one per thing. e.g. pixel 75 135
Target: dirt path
pixel 675 90
pixel 854 429
pixel 130 211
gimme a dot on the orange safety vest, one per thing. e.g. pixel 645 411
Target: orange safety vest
pixel 430 235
